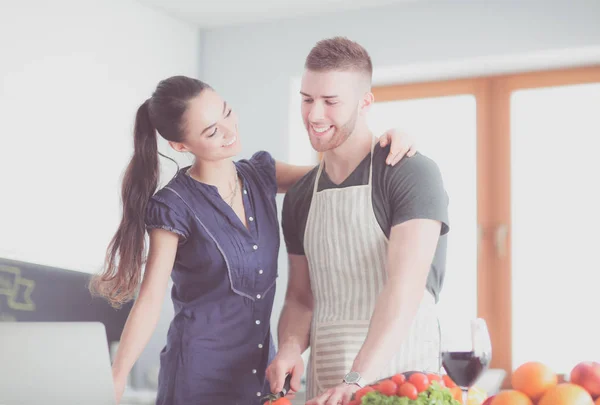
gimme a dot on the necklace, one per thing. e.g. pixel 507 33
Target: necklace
pixel 231 196
pixel 234 192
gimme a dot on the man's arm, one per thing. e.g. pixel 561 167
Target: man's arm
pixel 294 326
pixel 294 323
pixel 410 253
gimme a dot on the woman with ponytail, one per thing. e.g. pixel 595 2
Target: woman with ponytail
pixel 214 230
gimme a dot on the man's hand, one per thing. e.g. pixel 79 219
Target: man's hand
pixel 401 143
pixel 339 395
pixel 287 361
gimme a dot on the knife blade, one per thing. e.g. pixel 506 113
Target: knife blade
pixel 280 394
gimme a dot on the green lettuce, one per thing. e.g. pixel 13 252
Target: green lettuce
pixel 434 395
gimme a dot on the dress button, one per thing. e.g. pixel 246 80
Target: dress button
pixel 258 394
pixel 260 272
pixel 251 219
pixel 255 247
pixel 260 346
pixel 257 322
pixel 258 296
pixel 245 191
pixel 254 371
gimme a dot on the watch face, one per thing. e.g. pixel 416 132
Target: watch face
pixel 352 377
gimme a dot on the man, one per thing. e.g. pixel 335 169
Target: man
pixel 365 241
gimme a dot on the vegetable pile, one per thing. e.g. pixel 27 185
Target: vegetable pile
pixel 412 388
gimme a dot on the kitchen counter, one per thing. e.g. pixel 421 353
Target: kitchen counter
pixel 490 381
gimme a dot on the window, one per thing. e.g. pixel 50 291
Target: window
pixel 534 204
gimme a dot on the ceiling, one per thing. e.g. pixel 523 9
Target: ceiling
pixel 218 13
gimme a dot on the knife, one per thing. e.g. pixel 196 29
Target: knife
pixel 280 394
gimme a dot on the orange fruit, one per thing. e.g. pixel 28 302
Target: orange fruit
pixel 456 393
pixel 533 379
pixel 597 401
pixel 566 394
pixel 511 397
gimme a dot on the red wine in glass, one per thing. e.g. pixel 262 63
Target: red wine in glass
pixel 465 368
pixel 466 359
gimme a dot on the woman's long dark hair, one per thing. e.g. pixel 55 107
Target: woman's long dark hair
pixel 163 112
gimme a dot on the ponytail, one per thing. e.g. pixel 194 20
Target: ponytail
pixel 125 254
pixel 163 113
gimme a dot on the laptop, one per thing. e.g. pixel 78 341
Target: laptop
pixel 55 363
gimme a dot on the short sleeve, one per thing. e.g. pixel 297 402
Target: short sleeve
pixel 291 227
pixel 264 164
pixel 416 191
pixel 160 215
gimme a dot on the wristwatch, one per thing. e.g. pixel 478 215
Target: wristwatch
pixel 354 378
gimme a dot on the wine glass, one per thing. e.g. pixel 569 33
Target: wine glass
pixel 468 355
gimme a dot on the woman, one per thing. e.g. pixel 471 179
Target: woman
pixel 213 229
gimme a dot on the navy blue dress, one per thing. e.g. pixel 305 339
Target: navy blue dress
pixel 219 342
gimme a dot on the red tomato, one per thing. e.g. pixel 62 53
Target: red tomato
pixel 362 392
pixel 449 383
pixel 408 390
pixel 435 377
pixel 387 388
pixel 399 379
pixel 420 381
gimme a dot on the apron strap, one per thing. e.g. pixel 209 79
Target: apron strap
pixel 371 163
pixel 316 185
pixel 321 164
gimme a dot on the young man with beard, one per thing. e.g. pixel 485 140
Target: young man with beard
pixel 366 243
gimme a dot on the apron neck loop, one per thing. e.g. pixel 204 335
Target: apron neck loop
pixel 322 164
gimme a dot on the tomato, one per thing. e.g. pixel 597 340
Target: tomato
pixel 362 392
pixel 408 390
pixel 399 379
pixel 387 388
pixel 435 377
pixel 420 381
pixel 448 381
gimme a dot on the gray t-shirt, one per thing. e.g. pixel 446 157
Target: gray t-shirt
pixel 412 189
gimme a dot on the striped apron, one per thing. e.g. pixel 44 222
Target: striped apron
pixel 347 251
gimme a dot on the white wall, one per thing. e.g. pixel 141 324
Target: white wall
pixel 253 65
pixel 72 76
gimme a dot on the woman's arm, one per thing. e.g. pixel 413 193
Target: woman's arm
pixel 401 144
pixel 287 175
pixel 145 313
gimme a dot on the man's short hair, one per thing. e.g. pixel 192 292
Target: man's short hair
pixel 341 54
